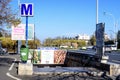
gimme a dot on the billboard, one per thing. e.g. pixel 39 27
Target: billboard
pixel 47 56
pixel 19 32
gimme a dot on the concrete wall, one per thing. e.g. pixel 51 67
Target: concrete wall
pixel 84 60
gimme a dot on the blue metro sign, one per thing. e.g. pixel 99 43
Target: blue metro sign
pixel 26 9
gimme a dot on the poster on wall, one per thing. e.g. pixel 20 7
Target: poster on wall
pixel 47 56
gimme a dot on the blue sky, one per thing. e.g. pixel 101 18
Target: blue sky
pixel 54 18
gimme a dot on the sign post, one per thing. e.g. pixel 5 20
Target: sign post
pixel 26 10
pixel 27 31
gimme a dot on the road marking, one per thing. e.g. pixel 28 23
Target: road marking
pixel 115 60
pixel 8 74
pixel 12 65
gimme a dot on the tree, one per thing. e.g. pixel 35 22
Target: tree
pixel 34 44
pixel 1 34
pixel 81 43
pixel 118 39
pixel 92 40
pixel 6 15
pixel 47 42
pixel 75 45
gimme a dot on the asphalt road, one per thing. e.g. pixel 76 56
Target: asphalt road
pixel 5 64
pixel 114 57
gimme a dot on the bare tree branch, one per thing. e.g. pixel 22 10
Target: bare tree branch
pixel 6 14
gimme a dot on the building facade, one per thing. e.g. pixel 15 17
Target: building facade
pixel 83 37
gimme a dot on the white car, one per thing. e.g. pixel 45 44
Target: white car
pixel 107 48
pixel 3 51
pixel 114 47
pixel 83 48
pixel 110 48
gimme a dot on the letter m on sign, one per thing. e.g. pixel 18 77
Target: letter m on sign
pixel 26 9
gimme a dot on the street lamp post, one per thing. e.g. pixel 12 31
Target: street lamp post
pixel 113 33
pixel 115 25
pixel 96 11
pixel 18 41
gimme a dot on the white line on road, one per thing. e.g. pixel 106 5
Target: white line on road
pixel 8 74
pixel 116 61
pixel 12 65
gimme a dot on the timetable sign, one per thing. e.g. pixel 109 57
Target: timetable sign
pixel 26 9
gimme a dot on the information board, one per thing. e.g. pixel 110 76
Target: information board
pixel 100 39
pixel 47 56
pixel 19 32
pixel 100 34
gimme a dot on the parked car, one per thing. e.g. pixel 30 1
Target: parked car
pixel 89 47
pixel 94 47
pixel 107 48
pixel 3 51
pixel 110 48
pixel 113 47
pixel 83 48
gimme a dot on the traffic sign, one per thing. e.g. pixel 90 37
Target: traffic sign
pixel 26 9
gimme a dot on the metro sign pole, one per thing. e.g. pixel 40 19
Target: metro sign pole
pixel 26 10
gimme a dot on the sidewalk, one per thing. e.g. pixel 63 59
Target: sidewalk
pixel 57 73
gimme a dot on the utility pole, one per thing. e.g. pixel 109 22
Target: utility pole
pixel 97 11
pixel 115 27
pixel 18 41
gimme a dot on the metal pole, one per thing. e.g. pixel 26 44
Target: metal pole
pixel 26 31
pixel 19 41
pixel 19 8
pixel 96 11
pixel 19 2
pixel 34 37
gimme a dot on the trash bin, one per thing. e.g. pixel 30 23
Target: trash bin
pixel 24 53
